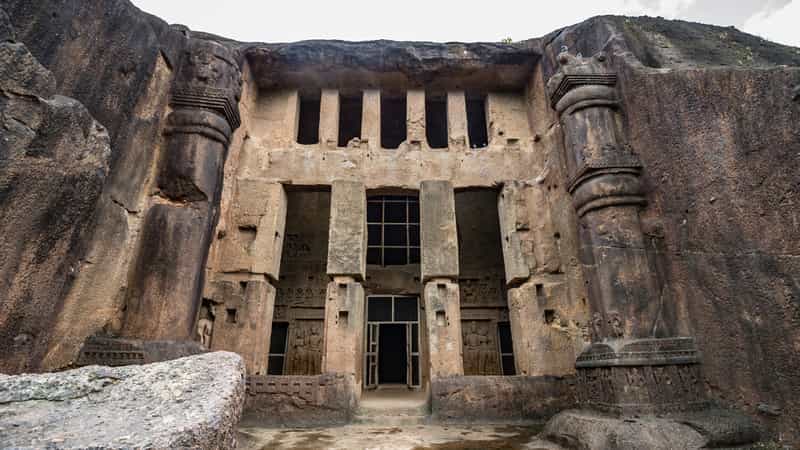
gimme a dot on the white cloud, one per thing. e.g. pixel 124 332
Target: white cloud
pixel 778 25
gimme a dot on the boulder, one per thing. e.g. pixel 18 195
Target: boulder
pixel 192 402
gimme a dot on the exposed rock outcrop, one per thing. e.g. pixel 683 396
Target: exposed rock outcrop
pixel 54 160
pixel 192 402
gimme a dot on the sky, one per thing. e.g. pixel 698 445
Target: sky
pixel 456 20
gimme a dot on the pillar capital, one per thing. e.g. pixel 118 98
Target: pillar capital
pixel 208 78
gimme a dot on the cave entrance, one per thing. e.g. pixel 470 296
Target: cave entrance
pixel 392 341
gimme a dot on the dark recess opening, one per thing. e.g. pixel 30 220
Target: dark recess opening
pixel 350 107
pixel 393 119
pixel 277 348
pixel 436 120
pixel 476 121
pixel 392 353
pixel 308 126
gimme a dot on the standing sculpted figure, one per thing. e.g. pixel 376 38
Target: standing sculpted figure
pixel 315 351
pixel 472 344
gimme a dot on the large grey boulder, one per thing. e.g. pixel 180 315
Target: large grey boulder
pixel 192 402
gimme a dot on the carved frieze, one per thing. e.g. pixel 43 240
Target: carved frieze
pixel 488 291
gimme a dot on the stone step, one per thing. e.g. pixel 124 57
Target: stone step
pixel 415 410
pixel 391 420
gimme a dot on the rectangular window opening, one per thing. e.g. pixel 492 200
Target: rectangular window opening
pixel 393 230
pixel 308 122
pixel 277 348
pixel 350 108
pixel 506 348
pixel 393 119
pixel 436 120
pixel 476 121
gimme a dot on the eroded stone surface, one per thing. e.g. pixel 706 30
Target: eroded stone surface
pixel 189 402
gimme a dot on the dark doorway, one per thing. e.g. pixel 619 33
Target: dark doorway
pixel 392 353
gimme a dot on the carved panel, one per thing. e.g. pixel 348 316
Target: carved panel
pixel 641 389
pixel 304 349
pixel 481 355
pixel 488 291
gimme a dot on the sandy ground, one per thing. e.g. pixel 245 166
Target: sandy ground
pixel 413 437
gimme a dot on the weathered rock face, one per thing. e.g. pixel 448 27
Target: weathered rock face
pixel 98 241
pixel 192 402
pixel 53 161
pixel 712 114
pixel 119 66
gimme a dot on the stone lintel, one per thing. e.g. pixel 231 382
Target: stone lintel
pixel 347 235
pixel 443 318
pixel 438 235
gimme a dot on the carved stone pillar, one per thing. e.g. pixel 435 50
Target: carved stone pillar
pixel 344 305
pixel 167 279
pixel 439 267
pixel 635 363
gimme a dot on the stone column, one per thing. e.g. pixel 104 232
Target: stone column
pixel 439 267
pixel 371 118
pixel 415 117
pixel 532 266
pixel 457 133
pixel 167 278
pixel 329 118
pixel 241 289
pixel 635 363
pixel 347 254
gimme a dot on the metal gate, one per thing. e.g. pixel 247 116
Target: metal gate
pixel 392 309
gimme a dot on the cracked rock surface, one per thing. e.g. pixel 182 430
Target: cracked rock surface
pixel 188 402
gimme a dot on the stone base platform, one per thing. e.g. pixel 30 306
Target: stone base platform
pixel 300 400
pixel 711 428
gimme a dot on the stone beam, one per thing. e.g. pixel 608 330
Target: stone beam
pixel 347 236
pixel 438 235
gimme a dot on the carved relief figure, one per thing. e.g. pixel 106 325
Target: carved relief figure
pixel 471 349
pixel 315 351
pixel 205 326
pixel 597 326
pixel 299 358
pixel 616 325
